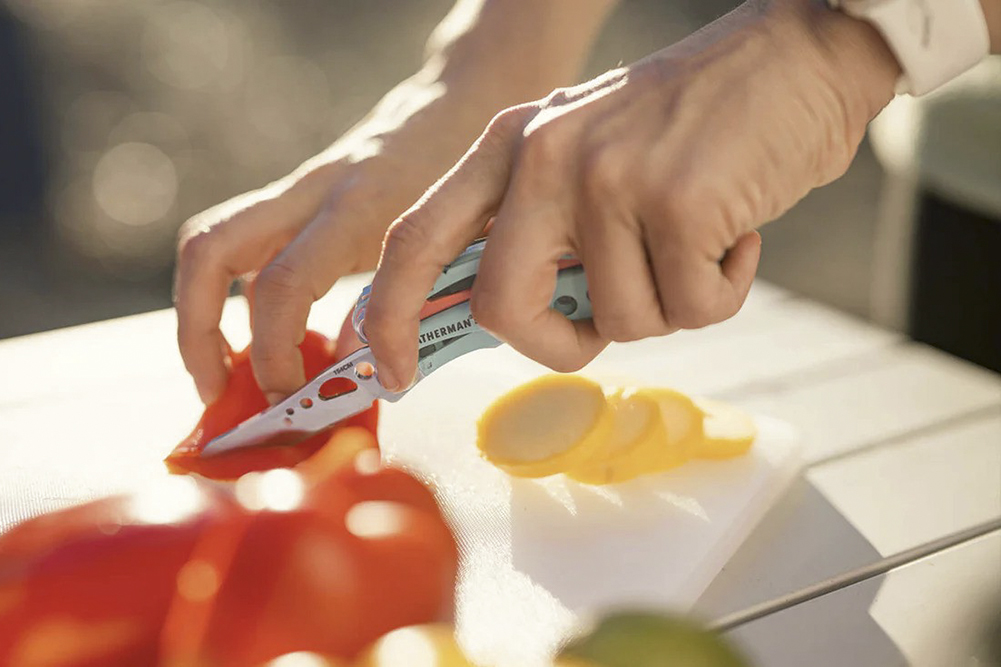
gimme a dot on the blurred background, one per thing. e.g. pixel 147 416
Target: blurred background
pixel 119 119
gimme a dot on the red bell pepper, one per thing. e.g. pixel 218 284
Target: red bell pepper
pixel 90 585
pixel 243 399
pixel 326 560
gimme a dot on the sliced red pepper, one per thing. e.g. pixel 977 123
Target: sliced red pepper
pixel 211 578
pixel 365 552
pixel 91 585
pixel 243 399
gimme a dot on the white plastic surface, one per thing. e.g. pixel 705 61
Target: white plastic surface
pixel 90 411
pixel 539 555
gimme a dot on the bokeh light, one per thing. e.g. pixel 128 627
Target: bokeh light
pixel 368 461
pixel 135 183
pixel 198 580
pixel 150 111
pixel 407 646
pixel 299 659
pixel 168 500
pixel 278 490
pixel 185 44
pixel 374 519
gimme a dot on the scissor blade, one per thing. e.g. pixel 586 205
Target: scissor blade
pixel 343 390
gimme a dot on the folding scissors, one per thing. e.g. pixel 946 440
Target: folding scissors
pixel 447 331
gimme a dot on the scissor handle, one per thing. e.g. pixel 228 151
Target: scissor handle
pixel 448 330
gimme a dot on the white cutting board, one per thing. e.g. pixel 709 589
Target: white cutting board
pixel 92 410
pixel 540 555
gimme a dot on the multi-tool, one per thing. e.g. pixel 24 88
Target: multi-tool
pixel 447 331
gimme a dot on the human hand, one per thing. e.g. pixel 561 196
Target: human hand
pixel 293 239
pixel 655 175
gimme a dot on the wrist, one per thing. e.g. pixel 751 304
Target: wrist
pixel 515 50
pixel 848 53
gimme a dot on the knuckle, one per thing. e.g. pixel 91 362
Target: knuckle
pixel 263 354
pixel 545 144
pixel 603 170
pixel 507 121
pixel 491 311
pixel 407 238
pixel 269 357
pixel 485 311
pixel 277 280
pixel 197 244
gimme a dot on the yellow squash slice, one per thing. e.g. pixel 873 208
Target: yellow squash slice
pixel 728 431
pixel 683 423
pixel 635 445
pixel 546 426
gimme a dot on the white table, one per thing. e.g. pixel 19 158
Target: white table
pixel 885 551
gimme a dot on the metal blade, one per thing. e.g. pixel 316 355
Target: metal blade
pixel 345 389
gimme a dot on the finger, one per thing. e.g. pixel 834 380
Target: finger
pixel 247 231
pixel 200 290
pixel 619 278
pixel 431 234
pixel 517 277
pixel 739 266
pixel 696 291
pixel 285 290
pixel 247 290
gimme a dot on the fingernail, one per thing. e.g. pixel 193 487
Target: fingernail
pixel 273 397
pixel 388 380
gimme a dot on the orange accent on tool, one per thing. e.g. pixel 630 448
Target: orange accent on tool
pixel 567 263
pixel 444 303
pixel 438 305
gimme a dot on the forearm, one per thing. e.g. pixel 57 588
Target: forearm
pixel 513 51
pixel 485 56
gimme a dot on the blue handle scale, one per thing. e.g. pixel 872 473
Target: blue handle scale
pixel 447 328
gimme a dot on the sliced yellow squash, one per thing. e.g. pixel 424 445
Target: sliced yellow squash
pixel 634 446
pixel 683 423
pixel 546 426
pixel 727 431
